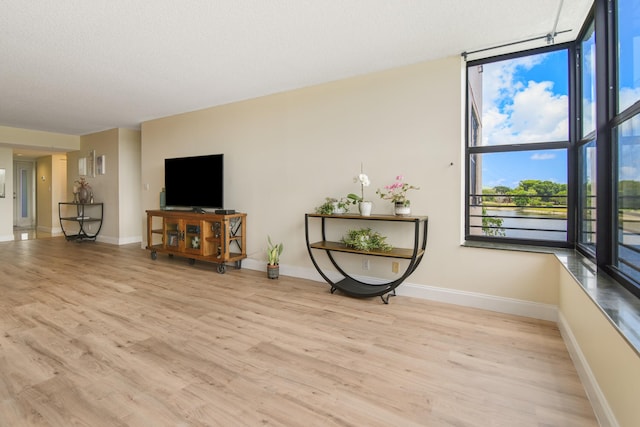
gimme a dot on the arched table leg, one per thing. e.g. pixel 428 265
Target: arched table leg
pixel 349 284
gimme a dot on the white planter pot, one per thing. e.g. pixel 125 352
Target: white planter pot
pixel 365 208
pixel 402 210
pixel 336 209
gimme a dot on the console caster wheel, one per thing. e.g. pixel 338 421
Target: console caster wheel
pixel 154 255
pixel 221 268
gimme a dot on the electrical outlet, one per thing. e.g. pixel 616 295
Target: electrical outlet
pixel 395 267
pixel 365 264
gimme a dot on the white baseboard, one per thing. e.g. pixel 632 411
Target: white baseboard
pixel 129 240
pixel 118 240
pixel 599 403
pixel 467 299
pixel 107 239
pixel 54 231
pixel 505 305
pixel 7 238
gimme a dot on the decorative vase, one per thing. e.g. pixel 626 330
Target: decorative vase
pixel 273 271
pixel 365 208
pixel 401 209
pixel 83 195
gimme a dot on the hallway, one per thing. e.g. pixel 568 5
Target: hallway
pixel 29 233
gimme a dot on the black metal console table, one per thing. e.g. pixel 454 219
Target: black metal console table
pixel 86 216
pixel 351 286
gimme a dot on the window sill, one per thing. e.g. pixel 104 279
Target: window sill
pixel 620 306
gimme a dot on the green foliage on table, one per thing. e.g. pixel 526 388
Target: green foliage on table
pixel 366 239
pixel 327 208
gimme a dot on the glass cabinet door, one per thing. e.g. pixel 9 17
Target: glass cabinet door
pixel 193 236
pixel 172 235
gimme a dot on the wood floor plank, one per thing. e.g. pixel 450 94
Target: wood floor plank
pixel 101 335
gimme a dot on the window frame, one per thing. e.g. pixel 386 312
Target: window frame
pixel 568 145
pixel 603 16
pixel 583 140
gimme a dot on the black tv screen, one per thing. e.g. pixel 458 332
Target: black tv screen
pixel 194 182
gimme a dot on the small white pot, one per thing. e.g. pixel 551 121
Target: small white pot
pixel 402 210
pixel 365 208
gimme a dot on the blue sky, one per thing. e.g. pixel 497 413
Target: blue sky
pixel 525 100
pixel 509 169
pixel 629 67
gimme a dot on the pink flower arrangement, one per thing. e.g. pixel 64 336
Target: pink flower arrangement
pixel 397 192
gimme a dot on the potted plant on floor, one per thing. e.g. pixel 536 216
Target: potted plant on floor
pixel 273 259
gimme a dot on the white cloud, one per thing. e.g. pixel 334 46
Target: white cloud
pixel 543 156
pixel 588 100
pixel 515 112
pixel 628 96
pixel 628 173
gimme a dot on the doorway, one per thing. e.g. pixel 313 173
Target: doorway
pixel 24 194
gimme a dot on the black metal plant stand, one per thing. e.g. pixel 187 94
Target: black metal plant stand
pixel 357 288
pixel 85 215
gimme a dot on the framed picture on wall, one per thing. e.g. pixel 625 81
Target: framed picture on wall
pixel 91 163
pixel 2 178
pixel 82 166
pixel 100 165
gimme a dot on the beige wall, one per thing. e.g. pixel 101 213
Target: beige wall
pixel 50 191
pixel 285 153
pixel 128 169
pixel 6 203
pixel 613 364
pixel 38 140
pixel 11 138
pixel 58 188
pixel 44 199
pixel 119 187
pixel 105 187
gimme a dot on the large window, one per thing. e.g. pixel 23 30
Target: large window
pixel 517 148
pixel 628 54
pixel 553 157
pixel 627 137
pixel 626 143
pixel 586 146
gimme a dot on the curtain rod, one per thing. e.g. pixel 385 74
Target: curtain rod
pixel 549 37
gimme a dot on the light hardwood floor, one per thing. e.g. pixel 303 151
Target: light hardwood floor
pixel 99 335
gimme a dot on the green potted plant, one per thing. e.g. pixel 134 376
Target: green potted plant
pixel 333 206
pixel 397 194
pixel 273 259
pixel 365 239
pixel 364 206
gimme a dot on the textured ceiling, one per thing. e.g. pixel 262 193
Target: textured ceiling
pixel 81 66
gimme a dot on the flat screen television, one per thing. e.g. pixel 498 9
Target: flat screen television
pixel 194 182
